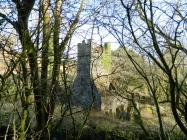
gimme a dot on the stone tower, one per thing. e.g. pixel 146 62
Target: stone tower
pixel 102 65
pixel 107 62
pixel 84 91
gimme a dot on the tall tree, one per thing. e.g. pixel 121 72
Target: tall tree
pixel 36 80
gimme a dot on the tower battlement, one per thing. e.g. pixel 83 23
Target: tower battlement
pixel 84 59
pixel 84 49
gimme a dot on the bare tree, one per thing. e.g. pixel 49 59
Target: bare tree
pixel 155 33
pixel 155 30
pixel 36 80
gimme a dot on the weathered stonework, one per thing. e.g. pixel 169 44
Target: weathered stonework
pixel 84 91
pixel 102 65
pixel 94 65
pixel 123 108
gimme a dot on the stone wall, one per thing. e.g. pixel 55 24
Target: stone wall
pixel 101 65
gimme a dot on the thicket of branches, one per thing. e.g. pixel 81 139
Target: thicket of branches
pixel 36 34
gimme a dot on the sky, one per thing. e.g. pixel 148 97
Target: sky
pixel 84 32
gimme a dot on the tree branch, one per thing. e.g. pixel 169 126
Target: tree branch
pixel 72 26
pixel 14 24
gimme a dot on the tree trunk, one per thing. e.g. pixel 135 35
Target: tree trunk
pixel 44 68
pixel 174 107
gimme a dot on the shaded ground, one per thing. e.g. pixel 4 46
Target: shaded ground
pixel 105 127
pixel 100 126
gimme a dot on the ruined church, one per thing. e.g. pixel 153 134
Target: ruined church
pixel 92 80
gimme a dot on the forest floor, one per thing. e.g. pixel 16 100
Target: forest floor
pixel 100 126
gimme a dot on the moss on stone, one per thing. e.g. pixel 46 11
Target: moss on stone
pixel 106 57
